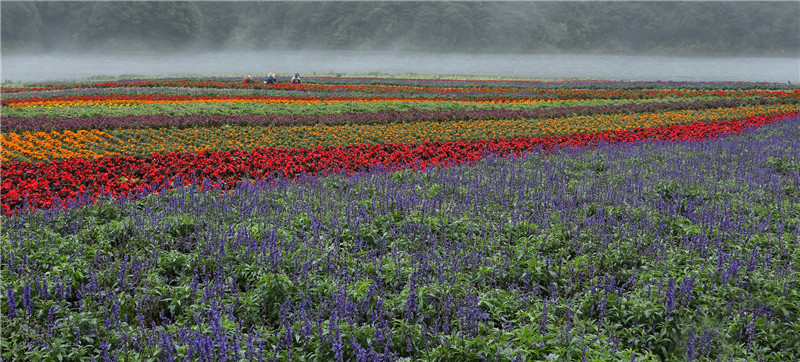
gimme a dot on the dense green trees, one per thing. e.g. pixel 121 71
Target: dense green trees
pixel 23 21
pixel 769 28
pixel 140 24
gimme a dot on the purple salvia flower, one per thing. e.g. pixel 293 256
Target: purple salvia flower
pixel 670 295
pixel 27 301
pixel 115 309
pixel 50 314
pixel 12 304
pixel 43 291
pixel 361 353
pixel 543 319
pixel 336 340
pixel 411 304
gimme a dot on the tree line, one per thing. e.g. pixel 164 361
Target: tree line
pixel 697 28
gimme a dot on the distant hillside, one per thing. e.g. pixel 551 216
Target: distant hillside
pixel 718 28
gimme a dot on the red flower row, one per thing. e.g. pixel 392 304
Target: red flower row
pixel 41 184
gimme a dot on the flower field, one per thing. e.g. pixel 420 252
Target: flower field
pixel 387 218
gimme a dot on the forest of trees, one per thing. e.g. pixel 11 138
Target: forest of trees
pixel 684 28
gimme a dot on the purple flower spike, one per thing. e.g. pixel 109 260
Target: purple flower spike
pixel 12 305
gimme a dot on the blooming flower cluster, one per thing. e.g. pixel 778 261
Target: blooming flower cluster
pixel 650 221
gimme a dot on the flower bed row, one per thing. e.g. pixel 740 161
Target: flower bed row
pixel 102 122
pixel 39 185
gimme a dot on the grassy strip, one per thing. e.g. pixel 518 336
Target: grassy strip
pixel 254 108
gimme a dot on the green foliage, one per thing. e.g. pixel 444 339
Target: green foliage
pixel 20 25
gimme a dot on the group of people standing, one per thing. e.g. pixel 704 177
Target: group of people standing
pixel 272 79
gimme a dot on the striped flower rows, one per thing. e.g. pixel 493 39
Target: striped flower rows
pixel 40 184
pixel 41 146
pixel 30 140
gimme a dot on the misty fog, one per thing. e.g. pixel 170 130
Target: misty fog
pixel 67 66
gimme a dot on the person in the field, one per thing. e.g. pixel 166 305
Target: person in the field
pixel 271 79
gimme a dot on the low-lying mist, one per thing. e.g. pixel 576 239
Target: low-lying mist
pixel 76 65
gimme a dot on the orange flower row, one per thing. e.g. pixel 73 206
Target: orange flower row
pixel 54 145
